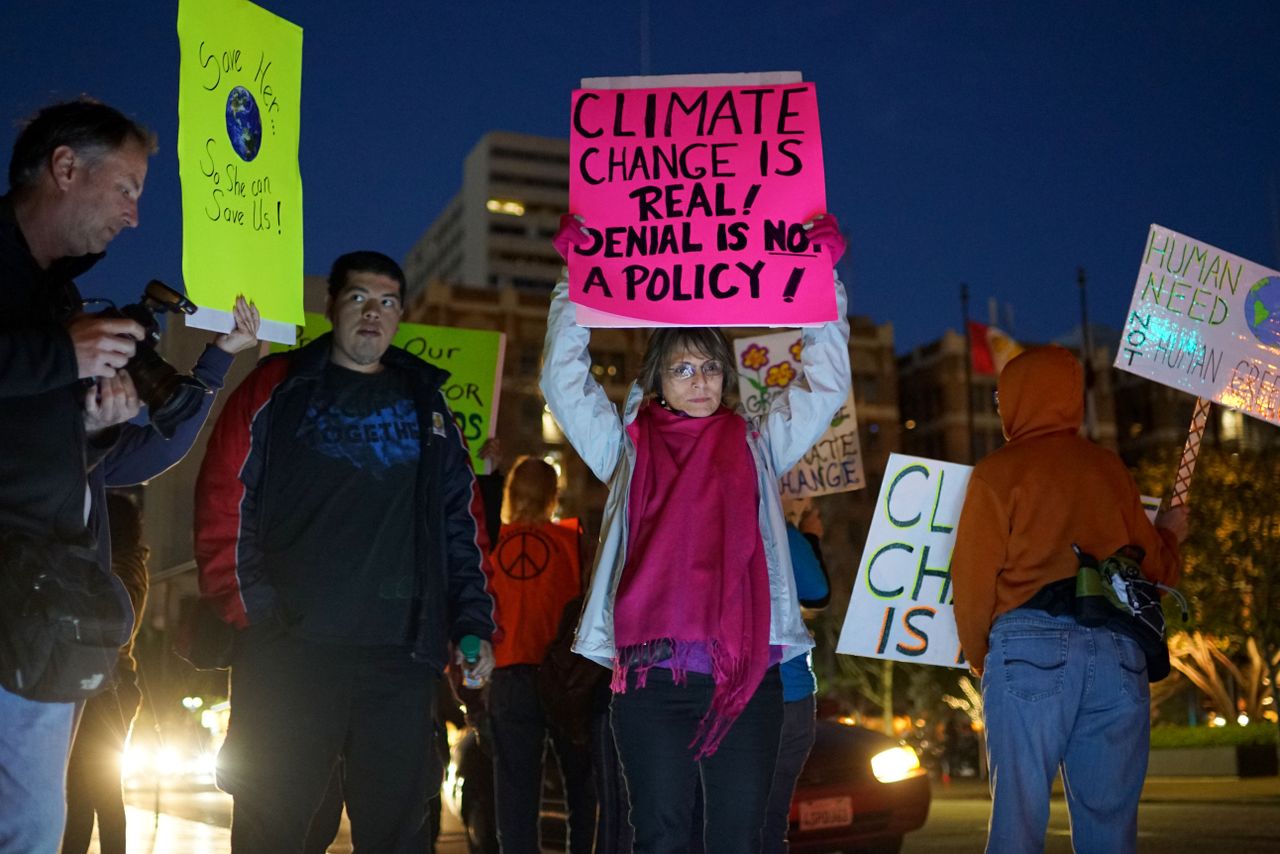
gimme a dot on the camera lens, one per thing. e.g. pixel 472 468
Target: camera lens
pixel 171 398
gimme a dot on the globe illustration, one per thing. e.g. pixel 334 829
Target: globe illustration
pixel 244 123
pixel 1262 310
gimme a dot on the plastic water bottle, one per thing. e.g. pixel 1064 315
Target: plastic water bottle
pixel 469 646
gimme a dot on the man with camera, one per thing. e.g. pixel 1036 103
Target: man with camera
pixel 140 453
pixel 75 176
pixel 339 528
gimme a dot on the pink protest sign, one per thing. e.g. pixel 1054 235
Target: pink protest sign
pixel 694 199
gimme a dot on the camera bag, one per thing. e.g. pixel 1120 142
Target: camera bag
pixel 62 619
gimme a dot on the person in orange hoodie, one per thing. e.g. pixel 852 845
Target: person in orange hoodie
pixel 1055 693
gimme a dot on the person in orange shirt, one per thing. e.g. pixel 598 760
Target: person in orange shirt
pixel 1055 693
pixel 537 571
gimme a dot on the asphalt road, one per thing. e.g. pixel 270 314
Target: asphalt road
pixel 1163 828
pixel 1187 816
pixel 198 822
pixel 1221 815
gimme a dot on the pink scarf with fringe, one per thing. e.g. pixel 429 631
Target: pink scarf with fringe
pixel 695 573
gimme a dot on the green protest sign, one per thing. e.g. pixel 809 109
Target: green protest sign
pixel 239 100
pixel 473 358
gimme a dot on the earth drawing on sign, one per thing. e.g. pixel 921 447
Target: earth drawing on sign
pixel 1262 310
pixel 244 123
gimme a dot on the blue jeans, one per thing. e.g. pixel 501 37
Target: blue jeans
pixel 35 739
pixel 1058 694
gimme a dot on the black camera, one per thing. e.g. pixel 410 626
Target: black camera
pixel 171 397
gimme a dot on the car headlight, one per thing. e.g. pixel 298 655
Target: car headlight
pixel 894 764
pixel 135 760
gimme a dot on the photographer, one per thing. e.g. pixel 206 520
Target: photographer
pixel 75 176
pixel 139 454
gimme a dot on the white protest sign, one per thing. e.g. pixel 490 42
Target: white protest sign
pixel 902 606
pixel 767 366
pixel 1205 322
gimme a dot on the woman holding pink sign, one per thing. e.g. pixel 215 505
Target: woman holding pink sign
pixel 692 602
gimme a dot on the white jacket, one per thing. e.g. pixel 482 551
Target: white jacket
pixel 591 422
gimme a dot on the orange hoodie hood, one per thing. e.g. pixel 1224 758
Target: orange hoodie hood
pixel 1041 392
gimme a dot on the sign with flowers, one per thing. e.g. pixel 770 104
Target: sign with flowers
pixel 768 366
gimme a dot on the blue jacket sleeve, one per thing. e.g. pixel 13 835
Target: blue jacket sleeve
pixel 812 587
pixel 141 453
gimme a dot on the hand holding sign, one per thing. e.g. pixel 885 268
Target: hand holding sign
pixel 245 332
pixel 1175 521
pixel 824 231
pixel 571 234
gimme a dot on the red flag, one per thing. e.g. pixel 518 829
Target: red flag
pixel 980 349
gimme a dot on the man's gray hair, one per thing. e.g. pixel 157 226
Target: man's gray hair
pixel 91 128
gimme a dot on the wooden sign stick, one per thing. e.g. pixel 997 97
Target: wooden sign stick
pixel 1190 452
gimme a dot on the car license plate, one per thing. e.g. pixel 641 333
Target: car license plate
pixel 826 812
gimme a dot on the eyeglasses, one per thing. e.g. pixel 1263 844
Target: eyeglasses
pixel 685 371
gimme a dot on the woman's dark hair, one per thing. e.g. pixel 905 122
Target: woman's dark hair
pixel 364 261
pixel 88 127
pixel 667 341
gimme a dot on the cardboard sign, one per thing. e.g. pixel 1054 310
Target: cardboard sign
pixel 694 199
pixel 768 365
pixel 902 606
pixel 239 100
pixel 473 358
pixel 1205 322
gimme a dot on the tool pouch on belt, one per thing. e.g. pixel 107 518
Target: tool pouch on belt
pixel 1114 593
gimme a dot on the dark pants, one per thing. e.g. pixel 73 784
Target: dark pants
pixel 296 706
pixel 613 831
pixel 793 749
pixel 520 729
pixel 654 727
pixel 93 772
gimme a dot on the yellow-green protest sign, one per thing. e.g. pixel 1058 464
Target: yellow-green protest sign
pixel 473 358
pixel 239 100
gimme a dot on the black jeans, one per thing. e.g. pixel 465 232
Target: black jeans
pixel 520 730
pixel 296 706
pixel 798 729
pixel 654 727
pixel 93 772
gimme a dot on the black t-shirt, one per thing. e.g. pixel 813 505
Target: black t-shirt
pixel 340 541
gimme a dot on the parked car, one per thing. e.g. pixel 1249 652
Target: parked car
pixel 860 791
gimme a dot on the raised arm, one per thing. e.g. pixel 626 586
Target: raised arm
pixel 802 414
pixel 580 406
pixel 141 452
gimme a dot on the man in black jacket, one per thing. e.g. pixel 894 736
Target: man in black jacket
pixel 339 527
pixel 75 177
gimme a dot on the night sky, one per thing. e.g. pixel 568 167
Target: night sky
pixel 999 144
